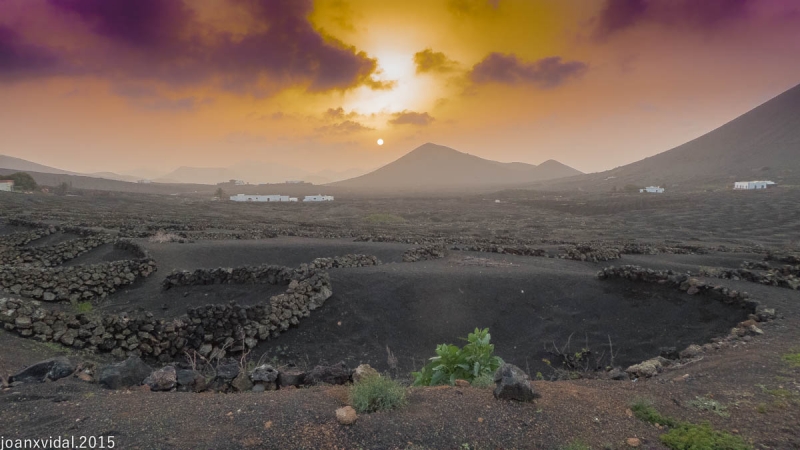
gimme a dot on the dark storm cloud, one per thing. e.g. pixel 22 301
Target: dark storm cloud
pixel 19 59
pixel 618 15
pixel 429 61
pixel 290 49
pixel 411 118
pixel 142 23
pixel 508 69
pixel 162 40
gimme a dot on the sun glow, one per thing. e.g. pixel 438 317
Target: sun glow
pixel 407 93
pixel 380 141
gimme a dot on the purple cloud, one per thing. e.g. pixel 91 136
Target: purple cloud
pixel 141 23
pixel 163 40
pixel 19 59
pixel 618 15
pixel 411 118
pixel 508 69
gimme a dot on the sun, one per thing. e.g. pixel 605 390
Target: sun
pixel 380 141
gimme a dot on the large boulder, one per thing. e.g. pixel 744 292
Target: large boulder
pixel 646 369
pixel 190 381
pixel 164 379
pixel 364 371
pixel 512 384
pixel 130 372
pixel 338 373
pixel 50 369
pixel 265 376
pixel 291 378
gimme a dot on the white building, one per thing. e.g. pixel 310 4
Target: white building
pixel 750 185
pixel 238 182
pixel 652 190
pixel 262 198
pixel 318 198
pixel 7 185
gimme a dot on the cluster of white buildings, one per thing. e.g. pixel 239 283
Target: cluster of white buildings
pixel 7 185
pixel 751 185
pixel 279 198
pixel 652 190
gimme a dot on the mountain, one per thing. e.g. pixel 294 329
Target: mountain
pixel 761 144
pixel 436 166
pixel 198 175
pixel 22 165
pixel 9 162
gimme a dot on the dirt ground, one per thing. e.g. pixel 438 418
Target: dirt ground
pixel 525 301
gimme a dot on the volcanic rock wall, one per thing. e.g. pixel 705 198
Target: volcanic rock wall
pixel 428 252
pixel 211 330
pixel 54 255
pixel 76 283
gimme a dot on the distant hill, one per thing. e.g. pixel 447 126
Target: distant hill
pixel 763 143
pixel 19 164
pixel 22 165
pixel 436 166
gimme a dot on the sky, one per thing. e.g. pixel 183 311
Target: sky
pixel 124 85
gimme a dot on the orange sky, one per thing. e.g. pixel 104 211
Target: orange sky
pixel 157 84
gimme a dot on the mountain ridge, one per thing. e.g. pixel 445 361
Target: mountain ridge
pixel 436 166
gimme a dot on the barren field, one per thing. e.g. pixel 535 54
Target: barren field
pixel 393 314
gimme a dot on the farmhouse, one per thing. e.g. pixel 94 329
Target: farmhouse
pixel 318 198
pixel 751 185
pixel 653 190
pixel 7 185
pixel 238 182
pixel 262 198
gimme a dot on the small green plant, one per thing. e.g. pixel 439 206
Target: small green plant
pixel 792 358
pixel 83 307
pixel 377 393
pixel 644 411
pixel 468 363
pixel 707 404
pixel 484 381
pixel 576 445
pixel 384 218
pixel 687 436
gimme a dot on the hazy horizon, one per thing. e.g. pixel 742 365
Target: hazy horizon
pixel 89 87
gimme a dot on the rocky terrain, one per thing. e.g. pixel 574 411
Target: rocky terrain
pixel 261 318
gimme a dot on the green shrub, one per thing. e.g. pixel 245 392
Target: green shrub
pixel 377 393
pixel 708 404
pixel 452 363
pixel 645 412
pixel 792 358
pixel 576 445
pixel 484 381
pixel 22 181
pixel 687 436
pixel 83 307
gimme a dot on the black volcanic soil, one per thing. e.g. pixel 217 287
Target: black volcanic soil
pixel 528 307
pixel 414 306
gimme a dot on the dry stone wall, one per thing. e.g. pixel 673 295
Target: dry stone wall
pixel 54 255
pixel 787 276
pixel 591 252
pixel 76 283
pixel 428 252
pixel 211 330
pixel 744 330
